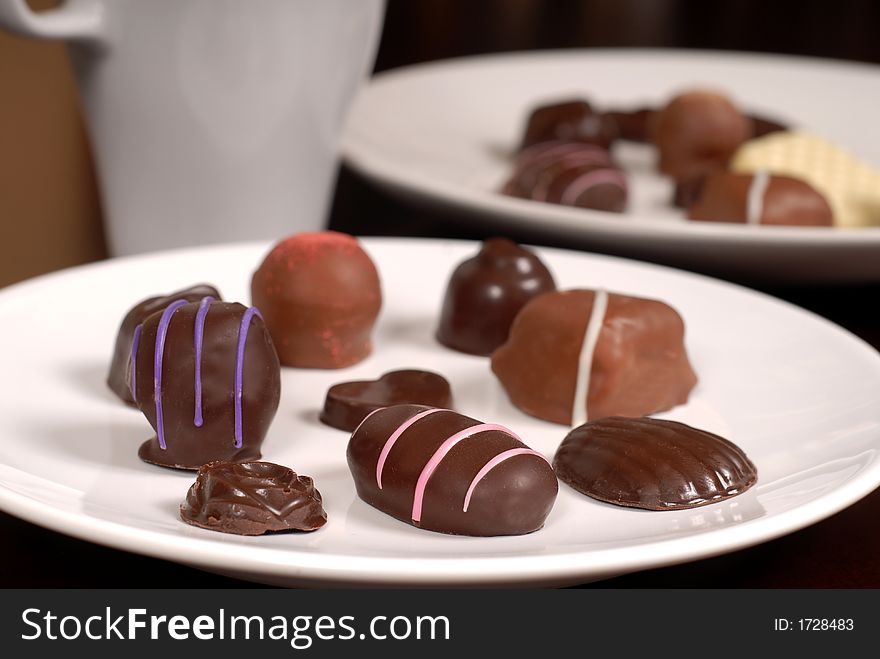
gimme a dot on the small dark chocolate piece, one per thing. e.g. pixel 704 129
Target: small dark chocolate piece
pixel 252 498
pixel 117 377
pixel 208 380
pixel 633 125
pixel 581 354
pixel 442 471
pixel 320 295
pixel 570 174
pixel 348 403
pixel 697 133
pixel 687 192
pixel 760 199
pixel 764 126
pixel 486 292
pixel 572 121
pixel 652 464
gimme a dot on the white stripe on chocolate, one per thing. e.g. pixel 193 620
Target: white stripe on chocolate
pixel 579 410
pixel 755 199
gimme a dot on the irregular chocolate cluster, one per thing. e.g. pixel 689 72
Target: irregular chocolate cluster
pixel 652 464
pixel 252 498
pixel 443 471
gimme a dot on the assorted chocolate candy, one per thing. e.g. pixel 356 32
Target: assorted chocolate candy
pixel 206 376
pixel 702 139
pixel 760 198
pixel 569 173
pixel 252 498
pixel 443 471
pixel 486 292
pixel 652 464
pixel 697 133
pixel 320 296
pixel 349 403
pixel 570 121
pixel 118 377
pixel 583 354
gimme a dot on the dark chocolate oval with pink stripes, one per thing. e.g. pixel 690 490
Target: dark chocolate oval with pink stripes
pixel 446 472
pixel 652 463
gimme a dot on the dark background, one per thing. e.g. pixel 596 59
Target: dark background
pixel 843 551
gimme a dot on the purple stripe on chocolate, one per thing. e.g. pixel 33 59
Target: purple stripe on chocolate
pixel 491 464
pixel 435 460
pixel 161 332
pixel 239 368
pixel 132 372
pixel 386 449
pixel 199 332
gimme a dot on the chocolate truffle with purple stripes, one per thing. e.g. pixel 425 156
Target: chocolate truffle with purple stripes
pixel 117 377
pixel 207 377
pixel 446 472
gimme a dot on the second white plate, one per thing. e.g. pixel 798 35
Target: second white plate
pixel 442 133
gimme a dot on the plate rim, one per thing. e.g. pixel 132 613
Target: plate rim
pixel 315 567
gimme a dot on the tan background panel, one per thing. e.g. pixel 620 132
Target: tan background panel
pixel 49 210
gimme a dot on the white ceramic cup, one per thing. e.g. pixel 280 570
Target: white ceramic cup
pixel 211 120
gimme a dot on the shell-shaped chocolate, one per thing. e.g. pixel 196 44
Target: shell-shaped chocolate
pixel 443 471
pixel 652 463
pixel 207 377
pixel 252 498
pixel 118 375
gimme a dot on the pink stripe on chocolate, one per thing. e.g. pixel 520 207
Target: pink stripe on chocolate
pixel 590 180
pixel 494 462
pixel 380 465
pixel 438 456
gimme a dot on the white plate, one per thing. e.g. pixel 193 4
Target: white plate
pixel 799 394
pixel 443 133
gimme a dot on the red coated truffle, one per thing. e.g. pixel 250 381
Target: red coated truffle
pixel 320 295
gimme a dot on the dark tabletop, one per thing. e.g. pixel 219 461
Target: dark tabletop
pixel 840 552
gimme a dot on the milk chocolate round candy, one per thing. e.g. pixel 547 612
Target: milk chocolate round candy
pixel 697 133
pixel 573 121
pixel 652 464
pixel 443 471
pixel 348 403
pixel 252 498
pixel 118 376
pixel 760 199
pixel 208 380
pixel 486 292
pixel 320 296
pixel 581 354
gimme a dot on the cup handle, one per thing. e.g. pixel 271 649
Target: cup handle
pixel 82 21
